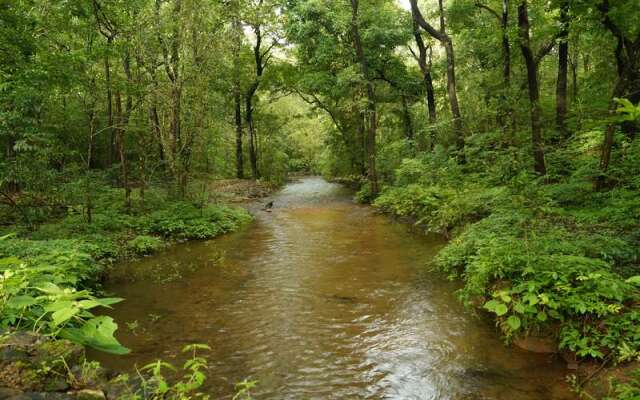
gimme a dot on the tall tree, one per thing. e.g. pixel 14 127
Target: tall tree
pixel 109 30
pixel 627 55
pixel 261 21
pixel 445 40
pixel 424 58
pixel 563 69
pixel 534 90
pixel 237 88
pixel 505 113
pixel 370 110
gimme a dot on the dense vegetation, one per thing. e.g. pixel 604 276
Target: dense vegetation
pixel 508 126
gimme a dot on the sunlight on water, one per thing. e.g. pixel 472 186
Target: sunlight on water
pixel 322 299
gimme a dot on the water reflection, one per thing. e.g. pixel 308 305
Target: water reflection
pixel 323 299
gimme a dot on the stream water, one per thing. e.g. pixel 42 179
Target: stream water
pixel 321 299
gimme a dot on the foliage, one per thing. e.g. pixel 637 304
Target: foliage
pixel 555 259
pixel 142 244
pixel 186 387
pixel 41 296
pixel 629 390
pixel 185 221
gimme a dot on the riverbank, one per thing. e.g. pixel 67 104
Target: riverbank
pixel 310 303
pixel 52 271
pixel 555 264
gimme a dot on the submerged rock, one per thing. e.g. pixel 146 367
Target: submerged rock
pixel 537 344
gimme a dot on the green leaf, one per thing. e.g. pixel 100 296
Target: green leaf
pixel 519 308
pixel 514 323
pixel 97 333
pixel 504 296
pixel 106 302
pixel 50 288
pixel 531 298
pixel 7 236
pixel 63 315
pixel 21 301
pixel 542 316
pixel 58 305
pixel 496 307
pixel 195 346
pixel 634 280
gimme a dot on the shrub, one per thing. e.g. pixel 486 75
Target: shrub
pixel 142 245
pixel 40 295
pixel 185 221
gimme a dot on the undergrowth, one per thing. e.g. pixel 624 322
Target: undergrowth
pixel 48 272
pixel 546 257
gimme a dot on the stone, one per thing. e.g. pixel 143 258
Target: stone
pixel 20 339
pixel 536 344
pixel 6 393
pixel 11 354
pixel 56 349
pixel 90 394
pixel 116 390
pixel 41 396
pixel 56 384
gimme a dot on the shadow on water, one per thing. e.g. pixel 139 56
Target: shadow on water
pixel 321 299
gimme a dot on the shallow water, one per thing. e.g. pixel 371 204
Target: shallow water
pixel 321 299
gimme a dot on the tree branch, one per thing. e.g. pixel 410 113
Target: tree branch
pixel 419 19
pixel 489 9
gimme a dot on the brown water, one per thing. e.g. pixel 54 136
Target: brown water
pixel 322 299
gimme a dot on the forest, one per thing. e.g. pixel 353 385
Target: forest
pixel 507 127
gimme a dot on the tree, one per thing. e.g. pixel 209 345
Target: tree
pixel 262 20
pixel 237 89
pixel 444 39
pixel 563 69
pixel 506 112
pixel 370 110
pixel 534 90
pixel 627 56
pixel 424 59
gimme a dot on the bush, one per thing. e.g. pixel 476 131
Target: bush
pixel 440 209
pixel 544 258
pixel 185 221
pixel 65 260
pixel 364 195
pixel 143 245
pixel 39 293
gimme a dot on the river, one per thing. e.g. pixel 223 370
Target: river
pixel 321 299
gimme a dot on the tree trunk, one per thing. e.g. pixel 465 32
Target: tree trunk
pixel 371 101
pixel 237 95
pixel 111 129
pixel 260 63
pixel 238 120
pixel 91 116
pixel 121 146
pixel 431 105
pixel 607 145
pixel 506 108
pixel 445 40
pixel 627 55
pixel 253 158
pixel 406 119
pixel 534 91
pixel 424 62
pixel 563 67
pixel 431 98
pixel 574 61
